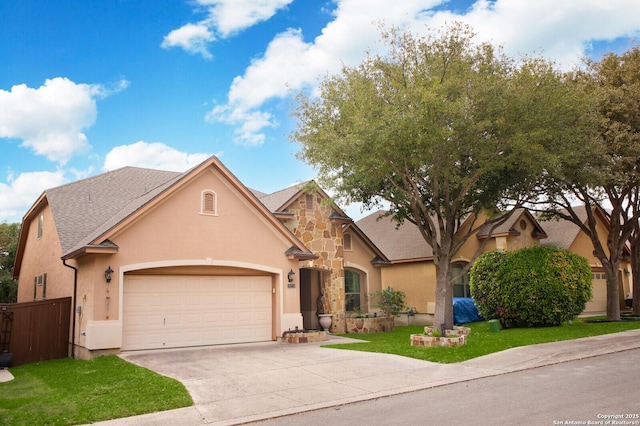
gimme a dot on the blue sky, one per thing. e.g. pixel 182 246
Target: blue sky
pixel 87 87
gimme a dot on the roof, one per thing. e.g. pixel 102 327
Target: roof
pixel 403 242
pixel 82 208
pixel 276 200
pixel 562 233
pixel 88 211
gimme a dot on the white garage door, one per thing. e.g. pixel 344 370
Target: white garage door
pixel 163 311
pixel 599 290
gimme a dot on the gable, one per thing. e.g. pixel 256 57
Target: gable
pixel 177 227
pixel 88 212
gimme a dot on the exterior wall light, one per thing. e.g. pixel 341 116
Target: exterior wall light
pixel 107 274
pixel 290 275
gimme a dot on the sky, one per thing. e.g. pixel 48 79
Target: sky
pixel 92 86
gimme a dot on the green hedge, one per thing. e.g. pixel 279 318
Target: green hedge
pixel 531 287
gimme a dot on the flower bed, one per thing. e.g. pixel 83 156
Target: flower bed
pixel 305 337
pixel 455 337
pixel 369 325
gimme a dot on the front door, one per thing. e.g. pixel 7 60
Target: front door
pixel 310 280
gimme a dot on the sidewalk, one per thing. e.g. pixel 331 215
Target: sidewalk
pixel 234 385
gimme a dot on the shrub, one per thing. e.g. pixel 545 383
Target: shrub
pixel 531 287
pixel 389 301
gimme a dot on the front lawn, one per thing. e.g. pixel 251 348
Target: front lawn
pixel 481 341
pixel 69 392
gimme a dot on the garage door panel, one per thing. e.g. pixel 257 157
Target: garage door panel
pixel 179 311
pixel 598 302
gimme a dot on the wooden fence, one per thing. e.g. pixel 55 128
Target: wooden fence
pixel 37 331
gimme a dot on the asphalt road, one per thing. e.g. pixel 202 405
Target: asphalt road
pixel 600 390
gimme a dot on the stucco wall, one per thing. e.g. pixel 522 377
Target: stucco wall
pixel 416 279
pixel 43 257
pixel 359 260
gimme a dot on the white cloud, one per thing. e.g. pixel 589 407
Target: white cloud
pixel 225 18
pixel 232 16
pixel 51 119
pixel 562 31
pixel 154 155
pixel 193 38
pixel 18 194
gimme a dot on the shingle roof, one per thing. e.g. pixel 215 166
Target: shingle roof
pixel 562 233
pixel 397 243
pixel 276 200
pixel 82 209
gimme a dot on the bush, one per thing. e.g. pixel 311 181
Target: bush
pixel 531 287
pixel 389 301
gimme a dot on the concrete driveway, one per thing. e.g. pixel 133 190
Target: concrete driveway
pixel 232 384
pixel 242 383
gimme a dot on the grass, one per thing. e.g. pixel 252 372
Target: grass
pixel 481 341
pixel 69 392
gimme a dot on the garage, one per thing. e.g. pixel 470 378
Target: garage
pixel 172 311
pixel 598 302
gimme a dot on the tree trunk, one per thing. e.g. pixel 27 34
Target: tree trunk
pixel 443 317
pixel 613 292
pixel 635 270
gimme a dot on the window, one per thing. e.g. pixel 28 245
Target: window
pixel 40 225
pixel 209 203
pixel 309 201
pixel 40 281
pixel 461 283
pixel 352 290
pixel 347 242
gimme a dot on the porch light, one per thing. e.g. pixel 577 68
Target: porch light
pixel 107 274
pixel 290 275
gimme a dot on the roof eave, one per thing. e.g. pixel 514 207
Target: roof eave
pixel 295 253
pixel 91 249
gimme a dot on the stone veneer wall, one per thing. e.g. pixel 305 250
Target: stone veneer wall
pixel 369 325
pixel 324 238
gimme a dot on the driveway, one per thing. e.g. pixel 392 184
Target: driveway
pixel 237 383
pixel 242 383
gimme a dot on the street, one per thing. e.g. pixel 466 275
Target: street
pixel 598 390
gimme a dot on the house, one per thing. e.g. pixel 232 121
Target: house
pixel 157 259
pixel 414 272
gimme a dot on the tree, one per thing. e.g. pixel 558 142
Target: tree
pixel 609 175
pixel 9 233
pixel 619 76
pixel 442 129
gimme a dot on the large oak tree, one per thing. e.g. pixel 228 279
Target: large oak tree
pixel 441 128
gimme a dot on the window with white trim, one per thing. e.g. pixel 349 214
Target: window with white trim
pixel 209 203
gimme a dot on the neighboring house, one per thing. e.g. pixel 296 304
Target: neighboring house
pixel 414 272
pixel 192 259
pixel 568 235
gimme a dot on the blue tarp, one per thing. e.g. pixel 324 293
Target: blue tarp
pixel 465 310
